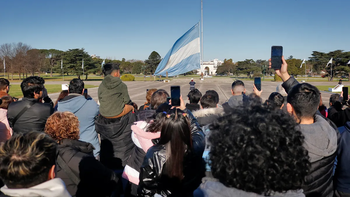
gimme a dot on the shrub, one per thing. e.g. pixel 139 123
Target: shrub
pixel 277 78
pixel 127 77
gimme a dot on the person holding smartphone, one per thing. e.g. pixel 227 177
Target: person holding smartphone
pixel 320 135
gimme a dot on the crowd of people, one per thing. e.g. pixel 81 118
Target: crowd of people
pixel 289 145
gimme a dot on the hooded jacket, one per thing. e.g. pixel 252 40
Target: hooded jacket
pixel 234 101
pixel 212 187
pixel 152 177
pixel 208 115
pixel 113 95
pixel 51 188
pixel 95 179
pixel 34 119
pixel 86 110
pixel 321 141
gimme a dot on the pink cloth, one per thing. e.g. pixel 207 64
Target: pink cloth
pixel 144 138
pixel 5 129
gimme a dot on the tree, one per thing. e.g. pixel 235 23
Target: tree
pixel 248 67
pixel 228 66
pixel 152 62
pixel 73 59
pixel 294 67
pixel 34 61
pixel 19 59
pixel 54 56
pixel 137 67
pixel 319 61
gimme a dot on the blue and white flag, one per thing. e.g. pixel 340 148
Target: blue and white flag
pixel 103 63
pixel 184 56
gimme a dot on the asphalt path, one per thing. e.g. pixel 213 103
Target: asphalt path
pixel 137 89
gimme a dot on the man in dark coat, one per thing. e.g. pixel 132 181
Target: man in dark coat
pixel 36 114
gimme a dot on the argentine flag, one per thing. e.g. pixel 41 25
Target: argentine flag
pixel 184 56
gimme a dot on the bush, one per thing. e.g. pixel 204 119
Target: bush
pixel 277 78
pixel 257 75
pixel 127 77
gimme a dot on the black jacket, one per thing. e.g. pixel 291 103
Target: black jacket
pixel 342 171
pixel 116 143
pixel 153 179
pixel 193 106
pixel 95 179
pixel 34 119
pixel 234 101
pixel 319 182
pixel 339 116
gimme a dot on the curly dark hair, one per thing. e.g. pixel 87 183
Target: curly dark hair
pixel 258 149
pixel 62 125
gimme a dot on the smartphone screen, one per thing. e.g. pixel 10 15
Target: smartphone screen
pixel 257 83
pixel 276 57
pixel 175 95
pixel 345 93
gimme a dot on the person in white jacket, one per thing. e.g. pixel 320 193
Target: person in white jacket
pixel 27 166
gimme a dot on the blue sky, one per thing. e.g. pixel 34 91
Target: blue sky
pixel 132 29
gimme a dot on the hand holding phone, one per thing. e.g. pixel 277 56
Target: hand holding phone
pixel 276 57
pixel 175 95
pixel 257 83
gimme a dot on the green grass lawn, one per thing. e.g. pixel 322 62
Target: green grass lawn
pixel 15 90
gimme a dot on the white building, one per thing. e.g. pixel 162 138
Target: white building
pixel 95 56
pixel 209 68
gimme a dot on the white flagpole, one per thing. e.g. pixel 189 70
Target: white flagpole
pixel 201 54
pixel 4 67
pixel 82 66
pixel 62 68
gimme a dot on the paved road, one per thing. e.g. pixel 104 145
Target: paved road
pixel 137 89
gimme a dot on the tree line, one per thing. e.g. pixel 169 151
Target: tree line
pixel 22 59
pixel 315 64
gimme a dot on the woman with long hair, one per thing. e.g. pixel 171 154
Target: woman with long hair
pixel 174 166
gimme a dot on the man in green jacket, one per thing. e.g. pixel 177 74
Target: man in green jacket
pixel 113 93
pixel 115 120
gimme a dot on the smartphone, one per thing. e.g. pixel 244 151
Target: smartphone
pixel 345 93
pixel 257 83
pixel 175 95
pixel 276 57
pixel 85 93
